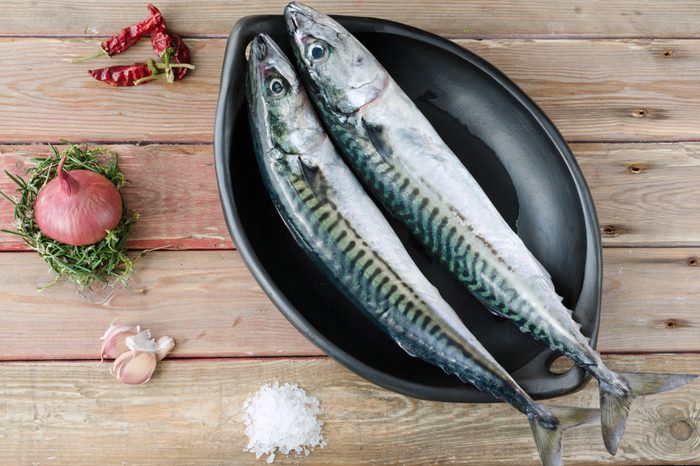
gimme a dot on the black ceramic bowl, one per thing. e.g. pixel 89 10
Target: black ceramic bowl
pixel 505 141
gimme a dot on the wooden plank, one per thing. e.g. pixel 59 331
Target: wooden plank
pixel 210 304
pixel 626 90
pixel 190 413
pixel 206 300
pixel 650 297
pixel 645 194
pixel 172 187
pixel 677 18
pixel 58 100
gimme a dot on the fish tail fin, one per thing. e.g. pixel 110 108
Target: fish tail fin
pixel 548 430
pixel 616 399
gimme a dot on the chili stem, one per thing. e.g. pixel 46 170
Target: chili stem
pixel 99 53
pixel 162 66
pixel 148 78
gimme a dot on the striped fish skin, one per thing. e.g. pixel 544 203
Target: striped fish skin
pixel 399 156
pixel 343 232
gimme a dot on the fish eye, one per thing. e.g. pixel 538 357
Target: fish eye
pixel 317 51
pixel 276 87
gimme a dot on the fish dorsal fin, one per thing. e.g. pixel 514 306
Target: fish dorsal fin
pixel 376 136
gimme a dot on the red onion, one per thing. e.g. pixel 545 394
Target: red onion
pixel 77 207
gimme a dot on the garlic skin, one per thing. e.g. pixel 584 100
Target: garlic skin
pixel 114 340
pixel 142 342
pixel 134 368
pixel 165 346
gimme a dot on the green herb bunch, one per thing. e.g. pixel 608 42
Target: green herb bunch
pixel 87 266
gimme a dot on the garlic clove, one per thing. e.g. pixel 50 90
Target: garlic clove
pixel 134 368
pixel 142 342
pixel 165 346
pixel 114 340
pixel 119 363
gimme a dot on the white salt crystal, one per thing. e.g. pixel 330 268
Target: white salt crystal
pixel 282 419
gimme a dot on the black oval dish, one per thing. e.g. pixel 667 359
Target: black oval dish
pixel 506 142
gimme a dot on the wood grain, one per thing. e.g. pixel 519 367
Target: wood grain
pixel 645 194
pixel 587 18
pixel 650 295
pixel 210 304
pixel 609 90
pixel 622 71
pixel 58 100
pixel 191 413
pixel 596 90
pixel 172 187
pixel 206 300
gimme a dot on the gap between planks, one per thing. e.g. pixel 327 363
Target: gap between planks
pixel 294 357
pixel 453 37
pixel 512 18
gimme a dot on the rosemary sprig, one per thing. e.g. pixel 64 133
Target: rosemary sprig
pixel 103 262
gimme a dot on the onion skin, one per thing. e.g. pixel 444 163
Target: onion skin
pixel 77 207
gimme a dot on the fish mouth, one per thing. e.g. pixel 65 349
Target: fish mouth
pixel 296 15
pixel 264 52
pixel 258 47
pixel 263 47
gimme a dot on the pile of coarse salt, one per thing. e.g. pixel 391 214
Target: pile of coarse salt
pixel 282 419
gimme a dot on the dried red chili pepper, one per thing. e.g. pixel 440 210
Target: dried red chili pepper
pixel 161 42
pixel 126 75
pixel 182 56
pixel 171 49
pixel 128 36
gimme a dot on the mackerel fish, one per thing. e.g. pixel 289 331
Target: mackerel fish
pixel 400 158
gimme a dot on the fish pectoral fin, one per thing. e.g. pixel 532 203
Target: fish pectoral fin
pixel 496 312
pixel 407 348
pixel 313 177
pixel 377 136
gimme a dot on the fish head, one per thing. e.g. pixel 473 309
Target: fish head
pixel 278 103
pixel 340 70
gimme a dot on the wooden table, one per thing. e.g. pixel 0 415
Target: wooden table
pixel 621 80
